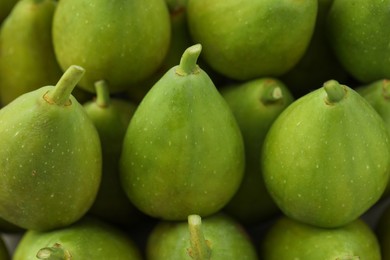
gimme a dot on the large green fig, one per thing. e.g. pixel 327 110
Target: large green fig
pixel 27 59
pixel 326 158
pixel 215 237
pixel 255 105
pixel 88 238
pixel 111 116
pixel 357 32
pixel 183 151
pixel 122 42
pixel 50 157
pixel 249 39
pixel 290 240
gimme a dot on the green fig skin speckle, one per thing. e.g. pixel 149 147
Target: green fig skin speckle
pixel 326 163
pixel 289 240
pixel 183 151
pixel 50 162
pixel 248 39
pixel 225 237
pixel 88 238
pixel 255 105
pixel 123 42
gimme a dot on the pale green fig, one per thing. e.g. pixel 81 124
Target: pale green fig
pixel 183 151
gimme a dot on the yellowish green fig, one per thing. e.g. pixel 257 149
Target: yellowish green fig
pixel 255 105
pixel 122 42
pixel 183 151
pixel 88 238
pixel 50 160
pixel 248 39
pixel 288 239
pixel 214 237
pixel 325 159
pixel 27 60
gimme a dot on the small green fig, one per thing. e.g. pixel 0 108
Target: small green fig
pixel 27 59
pixel 255 105
pixel 326 158
pixel 50 157
pixel 111 116
pixel 214 237
pixel 122 42
pixel 183 151
pixel 288 239
pixel 87 238
pixel 357 32
pixel 248 39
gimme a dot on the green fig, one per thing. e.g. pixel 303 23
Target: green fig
pixel 88 238
pixel 27 59
pixel 214 237
pixel 319 63
pixel 6 8
pixel 248 39
pixel 255 105
pixel 111 116
pixel 50 161
pixel 326 158
pixel 288 239
pixel 357 32
pixel 122 42
pixel 183 151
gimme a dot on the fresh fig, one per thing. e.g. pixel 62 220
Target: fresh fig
pixel 88 238
pixel 122 42
pixel 183 151
pixel 356 32
pixel 50 161
pixel 255 105
pixel 288 239
pixel 27 59
pixel 214 237
pixel 111 116
pixel 326 158
pixel 248 39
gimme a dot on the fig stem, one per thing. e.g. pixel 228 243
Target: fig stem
pixel 271 94
pixel 199 248
pixel 64 87
pixel 55 252
pixel 102 93
pixel 188 60
pixel 335 92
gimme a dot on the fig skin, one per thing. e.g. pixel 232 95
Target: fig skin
pixel 244 40
pixel 27 59
pixel 88 238
pixel 122 42
pixel 255 105
pixel 221 237
pixel 50 161
pixel 359 43
pixel 183 151
pixel 288 240
pixel 325 159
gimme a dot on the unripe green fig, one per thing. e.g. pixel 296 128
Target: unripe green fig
pixel 27 59
pixel 183 151
pixel 326 158
pixel 357 32
pixel 50 160
pixel 111 116
pixel 5 8
pixel 290 240
pixel 122 42
pixel 255 105
pixel 248 39
pixel 88 238
pixel 214 237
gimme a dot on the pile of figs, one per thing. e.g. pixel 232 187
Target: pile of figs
pixel 194 129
